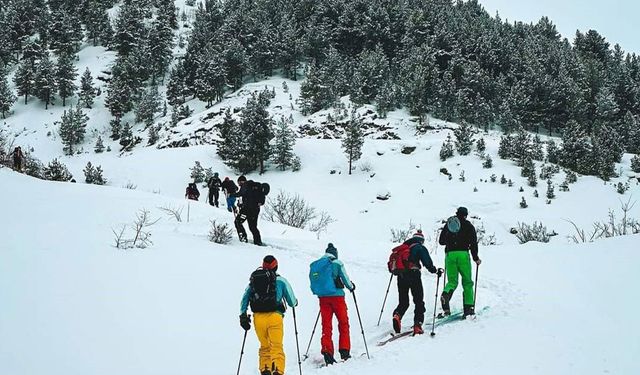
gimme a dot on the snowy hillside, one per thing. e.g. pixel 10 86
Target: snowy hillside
pixel 75 305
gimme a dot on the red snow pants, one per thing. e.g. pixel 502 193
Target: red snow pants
pixel 328 307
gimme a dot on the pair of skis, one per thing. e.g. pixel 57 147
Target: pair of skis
pixel 441 319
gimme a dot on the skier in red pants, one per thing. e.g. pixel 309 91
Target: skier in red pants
pixel 328 280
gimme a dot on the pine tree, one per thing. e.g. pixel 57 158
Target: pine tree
pixel 228 147
pixel 353 140
pixel 72 128
pixel 148 106
pixel 210 81
pixel 99 148
pixel 257 128
pixel 56 171
pixel 283 147
pixel 45 81
pixel 505 150
pixel 93 175
pixel 177 89
pixel 528 168
pixel 160 44
pixel 154 135
pixel 464 138
pixel 126 137
pixel 576 149
pixel 481 145
pixel 607 150
pixel 552 152
pixel 116 128
pixel 488 162
pixel 446 151
pixel 537 152
pixel 370 73
pixel 532 180
pixel 523 203
pixel 550 190
pixel 503 180
pixel 6 95
pixel 635 163
pixel 197 173
pixel 87 91
pixel 66 75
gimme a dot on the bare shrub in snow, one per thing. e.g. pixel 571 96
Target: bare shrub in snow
pixel 401 235
pixel 220 233
pixel 294 211
pixel 321 224
pixel 137 234
pixel 484 238
pixel 174 212
pixel 130 186
pixel 612 227
pixel 533 232
pixel 366 166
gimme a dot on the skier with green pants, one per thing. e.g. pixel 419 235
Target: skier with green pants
pixel 459 237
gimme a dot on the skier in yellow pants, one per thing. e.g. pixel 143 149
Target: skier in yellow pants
pixel 267 294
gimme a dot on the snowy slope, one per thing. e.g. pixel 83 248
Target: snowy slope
pixel 75 305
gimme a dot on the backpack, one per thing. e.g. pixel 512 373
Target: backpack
pixel 259 191
pixel 399 259
pixel 321 277
pixel 263 286
pixel 453 224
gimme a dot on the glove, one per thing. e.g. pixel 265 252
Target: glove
pixel 478 261
pixel 245 321
pixel 440 272
pixel 353 286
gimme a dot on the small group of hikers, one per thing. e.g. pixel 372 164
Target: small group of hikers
pixel 252 196
pixel 268 293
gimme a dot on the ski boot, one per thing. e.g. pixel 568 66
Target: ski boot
pixel 444 301
pixel 469 312
pixel 397 324
pixel 417 329
pixel 265 372
pixel 344 354
pixel 328 358
pixel 243 237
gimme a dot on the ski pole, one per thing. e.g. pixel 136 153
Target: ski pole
pixel 435 306
pixel 385 299
pixel 295 326
pixel 188 209
pixel 475 289
pixel 355 301
pixel 242 351
pixel 306 355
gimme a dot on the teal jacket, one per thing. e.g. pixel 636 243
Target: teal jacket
pixel 339 275
pixel 284 293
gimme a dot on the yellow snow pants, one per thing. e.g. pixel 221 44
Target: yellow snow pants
pixel 270 332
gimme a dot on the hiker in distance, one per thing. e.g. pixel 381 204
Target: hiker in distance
pixel 328 279
pixel 229 188
pixel 406 260
pixel 214 185
pixel 192 192
pixel 459 237
pixel 267 294
pixel 18 158
pixel 253 196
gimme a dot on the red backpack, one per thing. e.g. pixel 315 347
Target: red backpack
pixel 399 259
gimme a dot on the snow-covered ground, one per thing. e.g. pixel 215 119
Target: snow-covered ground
pixel 73 304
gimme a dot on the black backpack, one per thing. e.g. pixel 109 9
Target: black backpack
pixel 263 288
pixel 259 191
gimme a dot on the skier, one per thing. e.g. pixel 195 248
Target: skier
pixel 18 157
pixel 229 188
pixel 328 279
pixel 252 198
pixel 214 184
pixel 459 236
pixel 410 280
pixel 192 192
pixel 266 294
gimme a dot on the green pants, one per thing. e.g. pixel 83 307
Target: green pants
pixel 459 262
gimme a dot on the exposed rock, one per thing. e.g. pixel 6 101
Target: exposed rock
pixel 407 150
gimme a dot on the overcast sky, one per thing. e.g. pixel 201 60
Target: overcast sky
pixel 614 19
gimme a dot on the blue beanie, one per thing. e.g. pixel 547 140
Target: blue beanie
pixel 332 250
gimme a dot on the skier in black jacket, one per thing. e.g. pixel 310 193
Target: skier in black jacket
pixel 214 185
pixel 229 188
pixel 411 280
pixel 459 241
pixel 252 199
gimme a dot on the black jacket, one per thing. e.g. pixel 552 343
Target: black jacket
pixel 465 240
pixel 251 194
pixel 419 254
pixel 229 187
pixel 214 183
